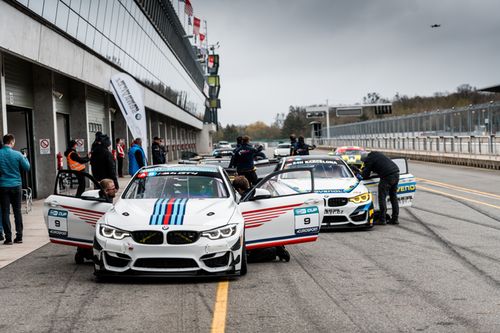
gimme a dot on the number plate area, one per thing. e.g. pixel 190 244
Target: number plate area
pixel 58 223
pixel 306 220
pixel 334 211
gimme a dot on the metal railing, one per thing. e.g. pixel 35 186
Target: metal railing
pixel 463 145
pixel 473 120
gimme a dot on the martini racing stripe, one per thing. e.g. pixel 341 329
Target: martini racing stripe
pixel 168 211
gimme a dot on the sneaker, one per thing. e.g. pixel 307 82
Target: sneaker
pixel 1 237
pixel 393 222
pixel 381 222
pixel 18 240
pixel 8 242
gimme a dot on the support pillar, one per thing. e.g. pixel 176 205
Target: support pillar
pixel 3 101
pixel 78 121
pixel 44 127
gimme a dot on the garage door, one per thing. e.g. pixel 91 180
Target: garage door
pixel 18 82
pixel 96 112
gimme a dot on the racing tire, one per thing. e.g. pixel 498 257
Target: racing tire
pixel 79 258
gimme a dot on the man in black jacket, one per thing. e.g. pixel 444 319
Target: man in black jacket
pixel 158 151
pixel 102 162
pixel 243 159
pixel 388 172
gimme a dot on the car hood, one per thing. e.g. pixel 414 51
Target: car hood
pixel 326 185
pixel 135 214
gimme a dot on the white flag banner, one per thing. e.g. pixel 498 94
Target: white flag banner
pixel 129 96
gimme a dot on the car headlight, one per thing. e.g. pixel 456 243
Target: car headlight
pixel 110 232
pixel 361 198
pixel 222 232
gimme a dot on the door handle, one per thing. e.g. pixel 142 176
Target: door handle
pixel 311 201
pixel 54 204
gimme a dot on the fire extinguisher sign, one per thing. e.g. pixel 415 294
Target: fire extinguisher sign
pixel 44 146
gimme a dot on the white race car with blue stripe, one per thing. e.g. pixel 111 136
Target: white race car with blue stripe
pixel 180 220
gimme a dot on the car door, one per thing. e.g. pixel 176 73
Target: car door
pixel 71 219
pixel 406 187
pixel 278 213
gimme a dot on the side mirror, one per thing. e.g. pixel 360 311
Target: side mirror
pixel 260 194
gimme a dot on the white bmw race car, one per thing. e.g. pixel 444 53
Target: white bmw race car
pixel 180 220
pixel 349 202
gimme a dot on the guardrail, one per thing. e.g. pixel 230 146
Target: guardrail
pixel 472 145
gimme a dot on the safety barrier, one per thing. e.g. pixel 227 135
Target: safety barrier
pixel 477 151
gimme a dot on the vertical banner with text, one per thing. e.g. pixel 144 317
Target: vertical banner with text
pixel 129 97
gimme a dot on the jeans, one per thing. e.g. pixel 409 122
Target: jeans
pixel 120 166
pixel 11 196
pixel 388 186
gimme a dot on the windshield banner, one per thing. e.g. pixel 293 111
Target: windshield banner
pixel 128 94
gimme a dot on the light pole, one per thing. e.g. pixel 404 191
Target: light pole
pixel 327 122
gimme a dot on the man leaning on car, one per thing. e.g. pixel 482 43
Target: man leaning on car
pixel 388 172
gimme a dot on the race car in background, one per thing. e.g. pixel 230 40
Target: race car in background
pixel 349 202
pixel 180 220
pixel 282 150
pixel 352 155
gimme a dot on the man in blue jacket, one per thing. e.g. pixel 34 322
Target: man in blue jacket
pixel 136 157
pixel 12 163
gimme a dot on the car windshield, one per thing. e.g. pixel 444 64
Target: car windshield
pixel 222 162
pixel 321 169
pixel 176 186
pixel 284 145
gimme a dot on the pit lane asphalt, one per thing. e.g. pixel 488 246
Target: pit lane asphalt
pixel 438 271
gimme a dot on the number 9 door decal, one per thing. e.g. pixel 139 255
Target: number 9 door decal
pixel 306 220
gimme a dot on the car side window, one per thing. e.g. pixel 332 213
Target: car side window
pixel 71 183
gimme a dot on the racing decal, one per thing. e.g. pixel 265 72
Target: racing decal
pixel 168 211
pixel 407 188
pixel 58 223
pixel 347 190
pixel 255 218
pixel 87 215
pixel 306 220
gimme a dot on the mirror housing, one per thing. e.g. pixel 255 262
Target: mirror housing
pixel 260 194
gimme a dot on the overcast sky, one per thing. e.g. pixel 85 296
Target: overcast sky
pixel 276 53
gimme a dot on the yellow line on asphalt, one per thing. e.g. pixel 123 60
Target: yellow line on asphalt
pixel 461 189
pixel 458 197
pixel 220 308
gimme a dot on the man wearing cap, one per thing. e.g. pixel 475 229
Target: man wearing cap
pixel 77 163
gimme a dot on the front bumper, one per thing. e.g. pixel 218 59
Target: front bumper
pixel 349 215
pixel 203 257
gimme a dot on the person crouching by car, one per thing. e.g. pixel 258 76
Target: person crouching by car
pixel 388 172
pixel 108 190
pixel 241 185
pixel 76 163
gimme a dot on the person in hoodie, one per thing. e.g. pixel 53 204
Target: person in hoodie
pixel 136 157
pixel 102 161
pixel 77 163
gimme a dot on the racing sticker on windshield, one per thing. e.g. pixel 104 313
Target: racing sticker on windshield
pixel 306 220
pixel 168 211
pixel 58 223
pixel 300 161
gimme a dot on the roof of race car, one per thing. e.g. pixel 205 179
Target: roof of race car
pixel 313 157
pixel 342 148
pixel 182 168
